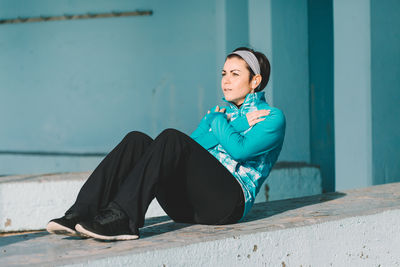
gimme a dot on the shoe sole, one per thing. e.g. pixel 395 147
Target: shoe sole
pixel 58 229
pixel 79 228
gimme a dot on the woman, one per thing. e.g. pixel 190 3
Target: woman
pixel 211 177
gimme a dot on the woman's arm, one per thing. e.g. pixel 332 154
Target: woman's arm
pixel 262 137
pixel 206 138
pixel 201 129
pixel 203 135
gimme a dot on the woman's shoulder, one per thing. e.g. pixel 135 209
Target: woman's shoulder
pixel 275 115
pixel 274 110
pixel 277 112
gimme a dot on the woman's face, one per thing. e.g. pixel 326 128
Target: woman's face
pixel 235 82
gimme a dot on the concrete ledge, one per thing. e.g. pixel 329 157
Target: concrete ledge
pixel 352 228
pixel 28 202
pixel 290 180
pixel 22 164
pixel 44 197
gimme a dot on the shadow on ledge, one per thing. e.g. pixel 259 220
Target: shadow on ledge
pixel 15 238
pixel 163 224
pixel 271 208
pixel 160 225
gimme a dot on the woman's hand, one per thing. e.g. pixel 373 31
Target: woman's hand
pixel 254 116
pixel 222 110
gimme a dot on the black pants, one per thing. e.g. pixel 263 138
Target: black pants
pixel 190 184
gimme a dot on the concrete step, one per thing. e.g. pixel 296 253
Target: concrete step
pixel 352 228
pixel 44 197
pixel 17 164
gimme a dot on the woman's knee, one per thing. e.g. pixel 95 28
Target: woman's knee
pixel 137 136
pixel 170 133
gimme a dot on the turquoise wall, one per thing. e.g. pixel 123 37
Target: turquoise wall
pixel 367 82
pixel 320 47
pixel 280 30
pixel 79 86
pixel 237 24
pixel 291 75
pixel 385 96
pixel 352 93
pixel 260 36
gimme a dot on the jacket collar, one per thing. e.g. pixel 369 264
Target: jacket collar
pixel 250 101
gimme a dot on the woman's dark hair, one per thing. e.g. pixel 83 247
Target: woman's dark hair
pixel 265 67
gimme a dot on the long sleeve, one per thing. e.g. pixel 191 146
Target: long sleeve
pixel 240 124
pixel 202 134
pixel 261 138
pixel 202 129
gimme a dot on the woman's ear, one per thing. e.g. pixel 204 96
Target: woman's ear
pixel 256 81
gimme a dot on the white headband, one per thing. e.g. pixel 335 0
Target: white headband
pixel 250 59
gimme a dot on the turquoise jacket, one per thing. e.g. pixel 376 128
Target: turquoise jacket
pixel 247 152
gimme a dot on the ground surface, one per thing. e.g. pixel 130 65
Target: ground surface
pixel 161 233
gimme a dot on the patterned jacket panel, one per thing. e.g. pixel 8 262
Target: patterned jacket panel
pixel 247 152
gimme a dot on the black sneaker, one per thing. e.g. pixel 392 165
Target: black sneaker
pixel 64 225
pixel 110 224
